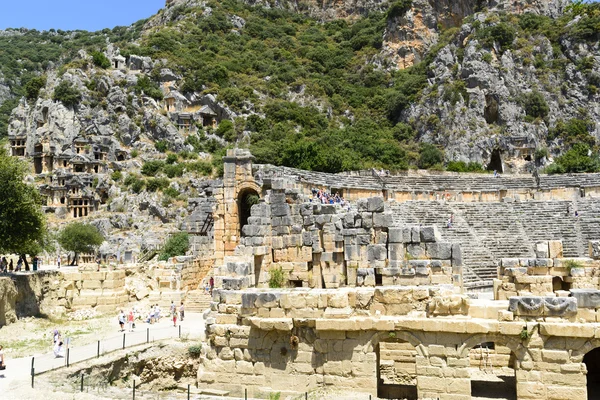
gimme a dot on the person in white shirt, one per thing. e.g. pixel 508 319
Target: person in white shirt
pixel 59 350
pixel 2 362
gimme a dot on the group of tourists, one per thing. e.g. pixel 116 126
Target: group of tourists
pixel 153 316
pixel 8 266
pixel 327 198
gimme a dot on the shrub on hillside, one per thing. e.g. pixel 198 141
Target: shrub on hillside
pixel 399 8
pixel 502 33
pixel 429 156
pixel 461 166
pixel 100 60
pixel 154 184
pixel 33 87
pixel 151 168
pixel 177 245
pixel 67 94
pixel 535 105
pixel 580 158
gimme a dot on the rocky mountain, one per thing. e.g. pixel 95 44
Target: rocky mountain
pixel 328 85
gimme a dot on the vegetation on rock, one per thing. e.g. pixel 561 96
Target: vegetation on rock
pixel 177 245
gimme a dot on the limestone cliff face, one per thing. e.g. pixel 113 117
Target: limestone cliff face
pixel 409 37
pixel 488 113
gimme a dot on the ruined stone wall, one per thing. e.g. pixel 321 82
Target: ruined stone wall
pixel 549 274
pixel 104 290
pixel 330 245
pixel 298 340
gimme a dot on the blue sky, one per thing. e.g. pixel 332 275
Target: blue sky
pixel 89 15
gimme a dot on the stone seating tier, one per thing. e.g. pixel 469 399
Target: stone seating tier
pixel 433 182
pixel 488 232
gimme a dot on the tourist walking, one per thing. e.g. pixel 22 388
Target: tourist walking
pixel 175 318
pixel 2 361
pixel 11 267
pixel 121 318
pixel 212 284
pixel 130 320
pixel 58 261
pixel 181 312
pixel 59 351
pixel 172 309
pixel 19 264
pixel 55 337
pixel 157 313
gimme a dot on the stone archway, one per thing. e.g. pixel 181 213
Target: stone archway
pixel 396 354
pixel 592 363
pixel 246 198
pixel 396 363
pixel 512 343
pixel 493 364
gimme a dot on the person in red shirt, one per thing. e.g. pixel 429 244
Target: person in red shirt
pixel 130 320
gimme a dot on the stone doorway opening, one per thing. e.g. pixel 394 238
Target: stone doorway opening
pixel 396 369
pixel 492 371
pixel 246 199
pixel 592 364
pixel 559 284
pixel 496 162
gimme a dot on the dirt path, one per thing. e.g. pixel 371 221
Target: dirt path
pixel 16 379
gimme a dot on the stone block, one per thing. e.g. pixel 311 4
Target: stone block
pixel 544 262
pixel 586 298
pixel 396 235
pixel 267 300
pixel 383 220
pixel 415 235
pixel 415 251
pixel 439 250
pixel 376 252
pixel 375 204
pixel 396 251
pixel 594 249
pixel 555 248
pixel 430 234
pixel 457 259
pixel 541 250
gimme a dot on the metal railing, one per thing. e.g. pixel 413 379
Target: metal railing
pixel 75 354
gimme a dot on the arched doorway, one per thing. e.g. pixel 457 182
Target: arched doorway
pixel 396 369
pixel 592 364
pixel 492 371
pixel 246 199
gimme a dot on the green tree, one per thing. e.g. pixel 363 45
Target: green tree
pixel 67 94
pixel 80 238
pixel 177 245
pixel 33 87
pixel 22 221
pixel 100 60
pixel 429 155
pixel 578 159
pixel 399 8
pixel 535 105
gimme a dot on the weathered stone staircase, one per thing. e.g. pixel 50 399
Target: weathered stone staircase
pixel 197 301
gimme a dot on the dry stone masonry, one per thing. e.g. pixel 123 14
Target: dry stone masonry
pixel 374 296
